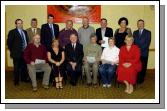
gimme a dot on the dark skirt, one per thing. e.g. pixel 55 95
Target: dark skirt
pixel 58 70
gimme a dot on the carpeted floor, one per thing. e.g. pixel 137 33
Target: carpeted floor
pixel 24 91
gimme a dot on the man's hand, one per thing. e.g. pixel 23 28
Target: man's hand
pixel 102 41
pixel 85 61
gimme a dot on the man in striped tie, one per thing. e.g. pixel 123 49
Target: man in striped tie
pixel 17 42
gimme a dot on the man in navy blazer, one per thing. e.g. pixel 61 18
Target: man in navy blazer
pixel 142 38
pixel 17 41
pixel 49 31
pixel 103 31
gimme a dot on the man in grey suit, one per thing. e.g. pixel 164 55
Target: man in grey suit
pixel 33 30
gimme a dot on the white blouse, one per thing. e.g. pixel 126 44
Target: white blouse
pixel 110 54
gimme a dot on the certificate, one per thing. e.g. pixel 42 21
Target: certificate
pixel 105 43
pixel 39 61
pixel 90 59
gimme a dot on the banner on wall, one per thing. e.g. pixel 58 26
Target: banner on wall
pixel 75 13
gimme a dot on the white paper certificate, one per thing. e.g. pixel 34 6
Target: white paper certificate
pixel 90 59
pixel 39 61
pixel 106 42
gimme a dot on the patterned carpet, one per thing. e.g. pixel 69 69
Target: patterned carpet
pixel 24 91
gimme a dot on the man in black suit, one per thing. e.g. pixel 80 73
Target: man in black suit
pixel 49 31
pixel 103 31
pixel 17 42
pixel 142 38
pixel 74 55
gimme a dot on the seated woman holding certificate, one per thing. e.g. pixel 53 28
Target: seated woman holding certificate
pixel 110 59
pixel 129 64
pixel 92 54
pixel 56 56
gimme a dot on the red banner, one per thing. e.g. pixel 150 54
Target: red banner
pixel 75 12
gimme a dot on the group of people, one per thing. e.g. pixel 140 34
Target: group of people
pixel 79 52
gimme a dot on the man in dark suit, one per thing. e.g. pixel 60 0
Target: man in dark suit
pixel 103 31
pixel 74 55
pixel 49 31
pixel 17 42
pixel 142 38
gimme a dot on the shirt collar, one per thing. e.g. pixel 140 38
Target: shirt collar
pixel 86 27
pixel 103 29
pixel 19 29
pixel 68 29
pixel 35 45
pixel 141 30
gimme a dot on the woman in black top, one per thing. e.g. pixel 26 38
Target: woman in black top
pixel 121 33
pixel 56 56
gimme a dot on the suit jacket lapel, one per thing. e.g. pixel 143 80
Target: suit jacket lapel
pixel 106 31
pixel 49 28
pixel 18 33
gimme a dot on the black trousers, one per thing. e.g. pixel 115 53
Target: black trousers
pixel 142 73
pixel 20 70
pixel 74 74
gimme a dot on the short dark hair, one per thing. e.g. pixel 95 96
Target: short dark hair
pixel 140 20
pixel 121 19
pixel 104 19
pixel 18 20
pixel 33 19
pixel 50 15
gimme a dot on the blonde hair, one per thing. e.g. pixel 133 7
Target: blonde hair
pixel 55 40
pixel 128 37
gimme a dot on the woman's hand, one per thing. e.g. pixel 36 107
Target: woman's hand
pixel 57 63
pixel 126 65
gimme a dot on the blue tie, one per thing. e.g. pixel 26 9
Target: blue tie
pixel 24 44
pixel 51 26
pixel 140 33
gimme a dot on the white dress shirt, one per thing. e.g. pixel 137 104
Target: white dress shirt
pixel 110 54
pixel 34 29
pixel 74 45
pixel 103 31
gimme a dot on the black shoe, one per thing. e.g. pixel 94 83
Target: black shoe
pixel 26 81
pixel 16 83
pixel 88 84
pixel 73 83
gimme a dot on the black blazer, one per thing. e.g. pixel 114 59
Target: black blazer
pixel 14 42
pixel 108 33
pixel 143 41
pixel 46 34
pixel 74 55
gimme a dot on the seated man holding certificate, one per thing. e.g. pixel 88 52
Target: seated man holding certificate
pixel 92 54
pixel 35 56
pixel 109 58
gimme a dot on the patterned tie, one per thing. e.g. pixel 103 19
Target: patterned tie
pixel 24 44
pixel 34 31
pixel 140 33
pixel 52 30
pixel 73 46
